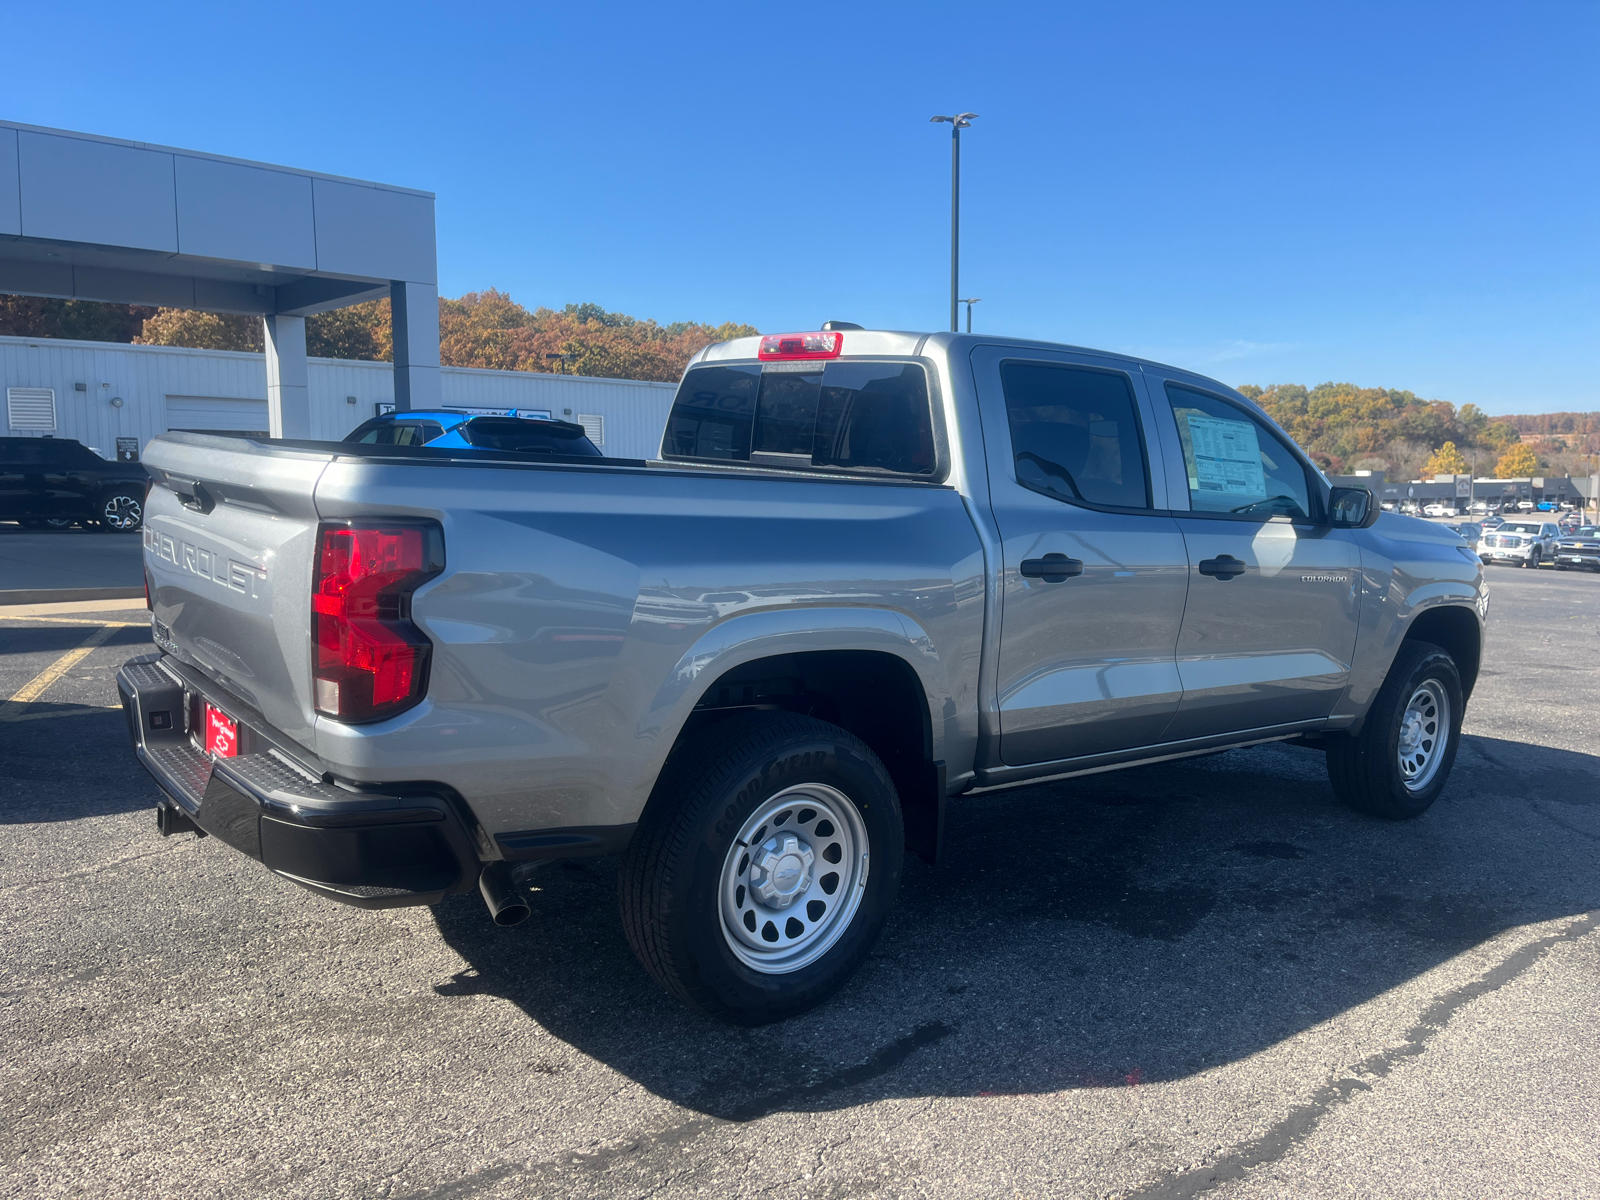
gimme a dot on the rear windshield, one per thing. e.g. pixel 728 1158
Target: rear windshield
pixel 528 437
pixel 849 416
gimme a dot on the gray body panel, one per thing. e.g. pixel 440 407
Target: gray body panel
pixel 585 610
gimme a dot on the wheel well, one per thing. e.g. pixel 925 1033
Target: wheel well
pixel 1455 630
pixel 875 696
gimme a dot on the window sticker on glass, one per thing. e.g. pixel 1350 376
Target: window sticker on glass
pixel 1227 456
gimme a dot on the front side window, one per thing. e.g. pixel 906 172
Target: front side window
pixel 1235 463
pixel 1074 434
pixel 850 416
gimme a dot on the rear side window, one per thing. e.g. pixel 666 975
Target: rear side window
pixel 528 437
pixel 850 416
pixel 397 433
pixel 1074 434
pixel 24 452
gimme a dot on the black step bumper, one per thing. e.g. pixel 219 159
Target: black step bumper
pixel 362 848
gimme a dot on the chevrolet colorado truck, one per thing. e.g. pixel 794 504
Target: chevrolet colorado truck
pixel 870 573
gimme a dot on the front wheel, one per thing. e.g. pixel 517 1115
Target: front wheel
pixel 764 867
pixel 1399 762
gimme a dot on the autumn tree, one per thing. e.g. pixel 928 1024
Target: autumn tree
pixel 201 330
pixel 1446 460
pixel 1517 463
pixel 480 329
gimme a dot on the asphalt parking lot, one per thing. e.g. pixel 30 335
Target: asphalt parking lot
pixel 1202 978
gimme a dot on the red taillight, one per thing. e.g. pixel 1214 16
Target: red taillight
pixel 825 344
pixel 370 661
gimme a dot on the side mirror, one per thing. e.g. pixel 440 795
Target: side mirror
pixel 1352 508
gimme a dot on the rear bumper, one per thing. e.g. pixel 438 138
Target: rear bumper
pixel 361 848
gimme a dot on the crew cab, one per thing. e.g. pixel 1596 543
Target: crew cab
pixel 871 573
pixel 1524 541
pixel 51 482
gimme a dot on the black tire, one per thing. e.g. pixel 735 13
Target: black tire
pixel 672 876
pixel 121 511
pixel 1365 768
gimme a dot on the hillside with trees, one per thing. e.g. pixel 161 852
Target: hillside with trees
pixel 480 329
pixel 1342 426
pixel 1349 428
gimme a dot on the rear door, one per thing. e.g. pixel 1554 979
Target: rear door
pixel 1269 629
pixel 1093 574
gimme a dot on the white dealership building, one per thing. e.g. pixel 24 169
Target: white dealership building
pixel 94 218
pixel 115 397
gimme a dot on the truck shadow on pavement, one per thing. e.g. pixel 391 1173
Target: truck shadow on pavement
pixel 1101 932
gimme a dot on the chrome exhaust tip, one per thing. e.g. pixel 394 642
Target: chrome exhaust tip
pixel 507 904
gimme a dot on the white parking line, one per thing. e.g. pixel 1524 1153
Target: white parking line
pixel 15 708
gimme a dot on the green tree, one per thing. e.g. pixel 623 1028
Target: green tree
pixel 1517 463
pixel 1446 460
pixel 85 320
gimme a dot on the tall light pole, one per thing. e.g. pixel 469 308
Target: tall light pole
pixel 957 123
pixel 969 304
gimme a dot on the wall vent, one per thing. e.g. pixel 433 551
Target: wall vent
pixel 594 427
pixel 32 409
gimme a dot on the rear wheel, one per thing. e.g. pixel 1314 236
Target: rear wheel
pixel 764 867
pixel 1399 762
pixel 122 511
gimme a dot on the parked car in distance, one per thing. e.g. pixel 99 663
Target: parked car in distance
pixel 1522 541
pixel 1439 510
pixel 1493 521
pixel 524 433
pixel 1579 548
pixel 54 483
pixel 1524 506
pixel 1471 532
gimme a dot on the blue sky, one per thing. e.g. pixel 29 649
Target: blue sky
pixel 1390 194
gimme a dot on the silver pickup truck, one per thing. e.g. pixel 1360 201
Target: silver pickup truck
pixel 870 573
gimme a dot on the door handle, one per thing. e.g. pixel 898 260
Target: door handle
pixel 1223 567
pixel 1052 568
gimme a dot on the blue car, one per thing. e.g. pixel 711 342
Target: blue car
pixel 526 434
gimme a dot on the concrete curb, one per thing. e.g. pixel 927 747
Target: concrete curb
pixel 62 595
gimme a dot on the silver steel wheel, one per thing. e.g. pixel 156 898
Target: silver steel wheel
pixel 793 878
pixel 122 513
pixel 1424 733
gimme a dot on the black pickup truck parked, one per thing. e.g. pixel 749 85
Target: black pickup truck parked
pixel 58 482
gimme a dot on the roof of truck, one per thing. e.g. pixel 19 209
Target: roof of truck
pixel 910 343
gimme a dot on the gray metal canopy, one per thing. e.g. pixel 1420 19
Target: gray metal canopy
pixel 93 218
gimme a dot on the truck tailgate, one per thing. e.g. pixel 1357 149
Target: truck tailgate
pixel 229 546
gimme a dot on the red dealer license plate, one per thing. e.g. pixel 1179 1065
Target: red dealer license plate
pixel 222 734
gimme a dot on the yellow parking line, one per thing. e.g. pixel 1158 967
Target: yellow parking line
pixel 13 708
pixel 77 621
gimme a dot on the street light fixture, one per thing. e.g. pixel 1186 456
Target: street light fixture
pixel 969 304
pixel 957 123
pixel 560 361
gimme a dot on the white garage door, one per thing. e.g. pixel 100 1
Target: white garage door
pixel 216 414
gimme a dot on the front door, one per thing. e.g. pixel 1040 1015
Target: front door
pixel 1093 576
pixel 1269 629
